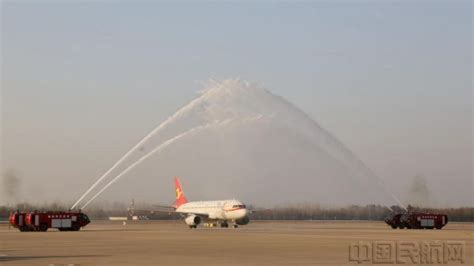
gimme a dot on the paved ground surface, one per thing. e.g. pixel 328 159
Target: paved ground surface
pixel 172 243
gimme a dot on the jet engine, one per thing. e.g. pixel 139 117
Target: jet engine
pixel 192 220
pixel 243 221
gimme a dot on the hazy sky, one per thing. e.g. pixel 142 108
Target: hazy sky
pixel 83 81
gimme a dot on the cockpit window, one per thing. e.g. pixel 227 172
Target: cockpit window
pixel 239 206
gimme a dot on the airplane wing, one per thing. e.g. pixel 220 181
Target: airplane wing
pixel 163 207
pixel 205 215
pixel 183 213
pixel 169 210
pixel 156 210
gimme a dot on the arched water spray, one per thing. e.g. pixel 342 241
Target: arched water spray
pixel 235 99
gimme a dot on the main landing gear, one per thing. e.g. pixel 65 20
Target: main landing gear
pixel 226 225
pixel 223 224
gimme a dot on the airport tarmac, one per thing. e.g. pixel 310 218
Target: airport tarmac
pixel 259 243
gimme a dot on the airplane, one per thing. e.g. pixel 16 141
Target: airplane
pixel 212 212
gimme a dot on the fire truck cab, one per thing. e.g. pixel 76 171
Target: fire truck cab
pixel 393 220
pixel 18 220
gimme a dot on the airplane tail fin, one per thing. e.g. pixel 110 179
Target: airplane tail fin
pixel 180 198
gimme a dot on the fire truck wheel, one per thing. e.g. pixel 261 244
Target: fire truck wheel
pixel 43 227
pixel 75 228
pixel 394 226
pixel 23 229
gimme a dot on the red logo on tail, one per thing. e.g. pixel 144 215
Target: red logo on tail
pixel 180 198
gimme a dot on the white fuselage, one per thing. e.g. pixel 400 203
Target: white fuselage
pixel 225 210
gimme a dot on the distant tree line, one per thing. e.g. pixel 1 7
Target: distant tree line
pixel 315 212
pixel 294 212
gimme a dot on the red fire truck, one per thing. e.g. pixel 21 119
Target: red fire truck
pixel 42 221
pixel 417 220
